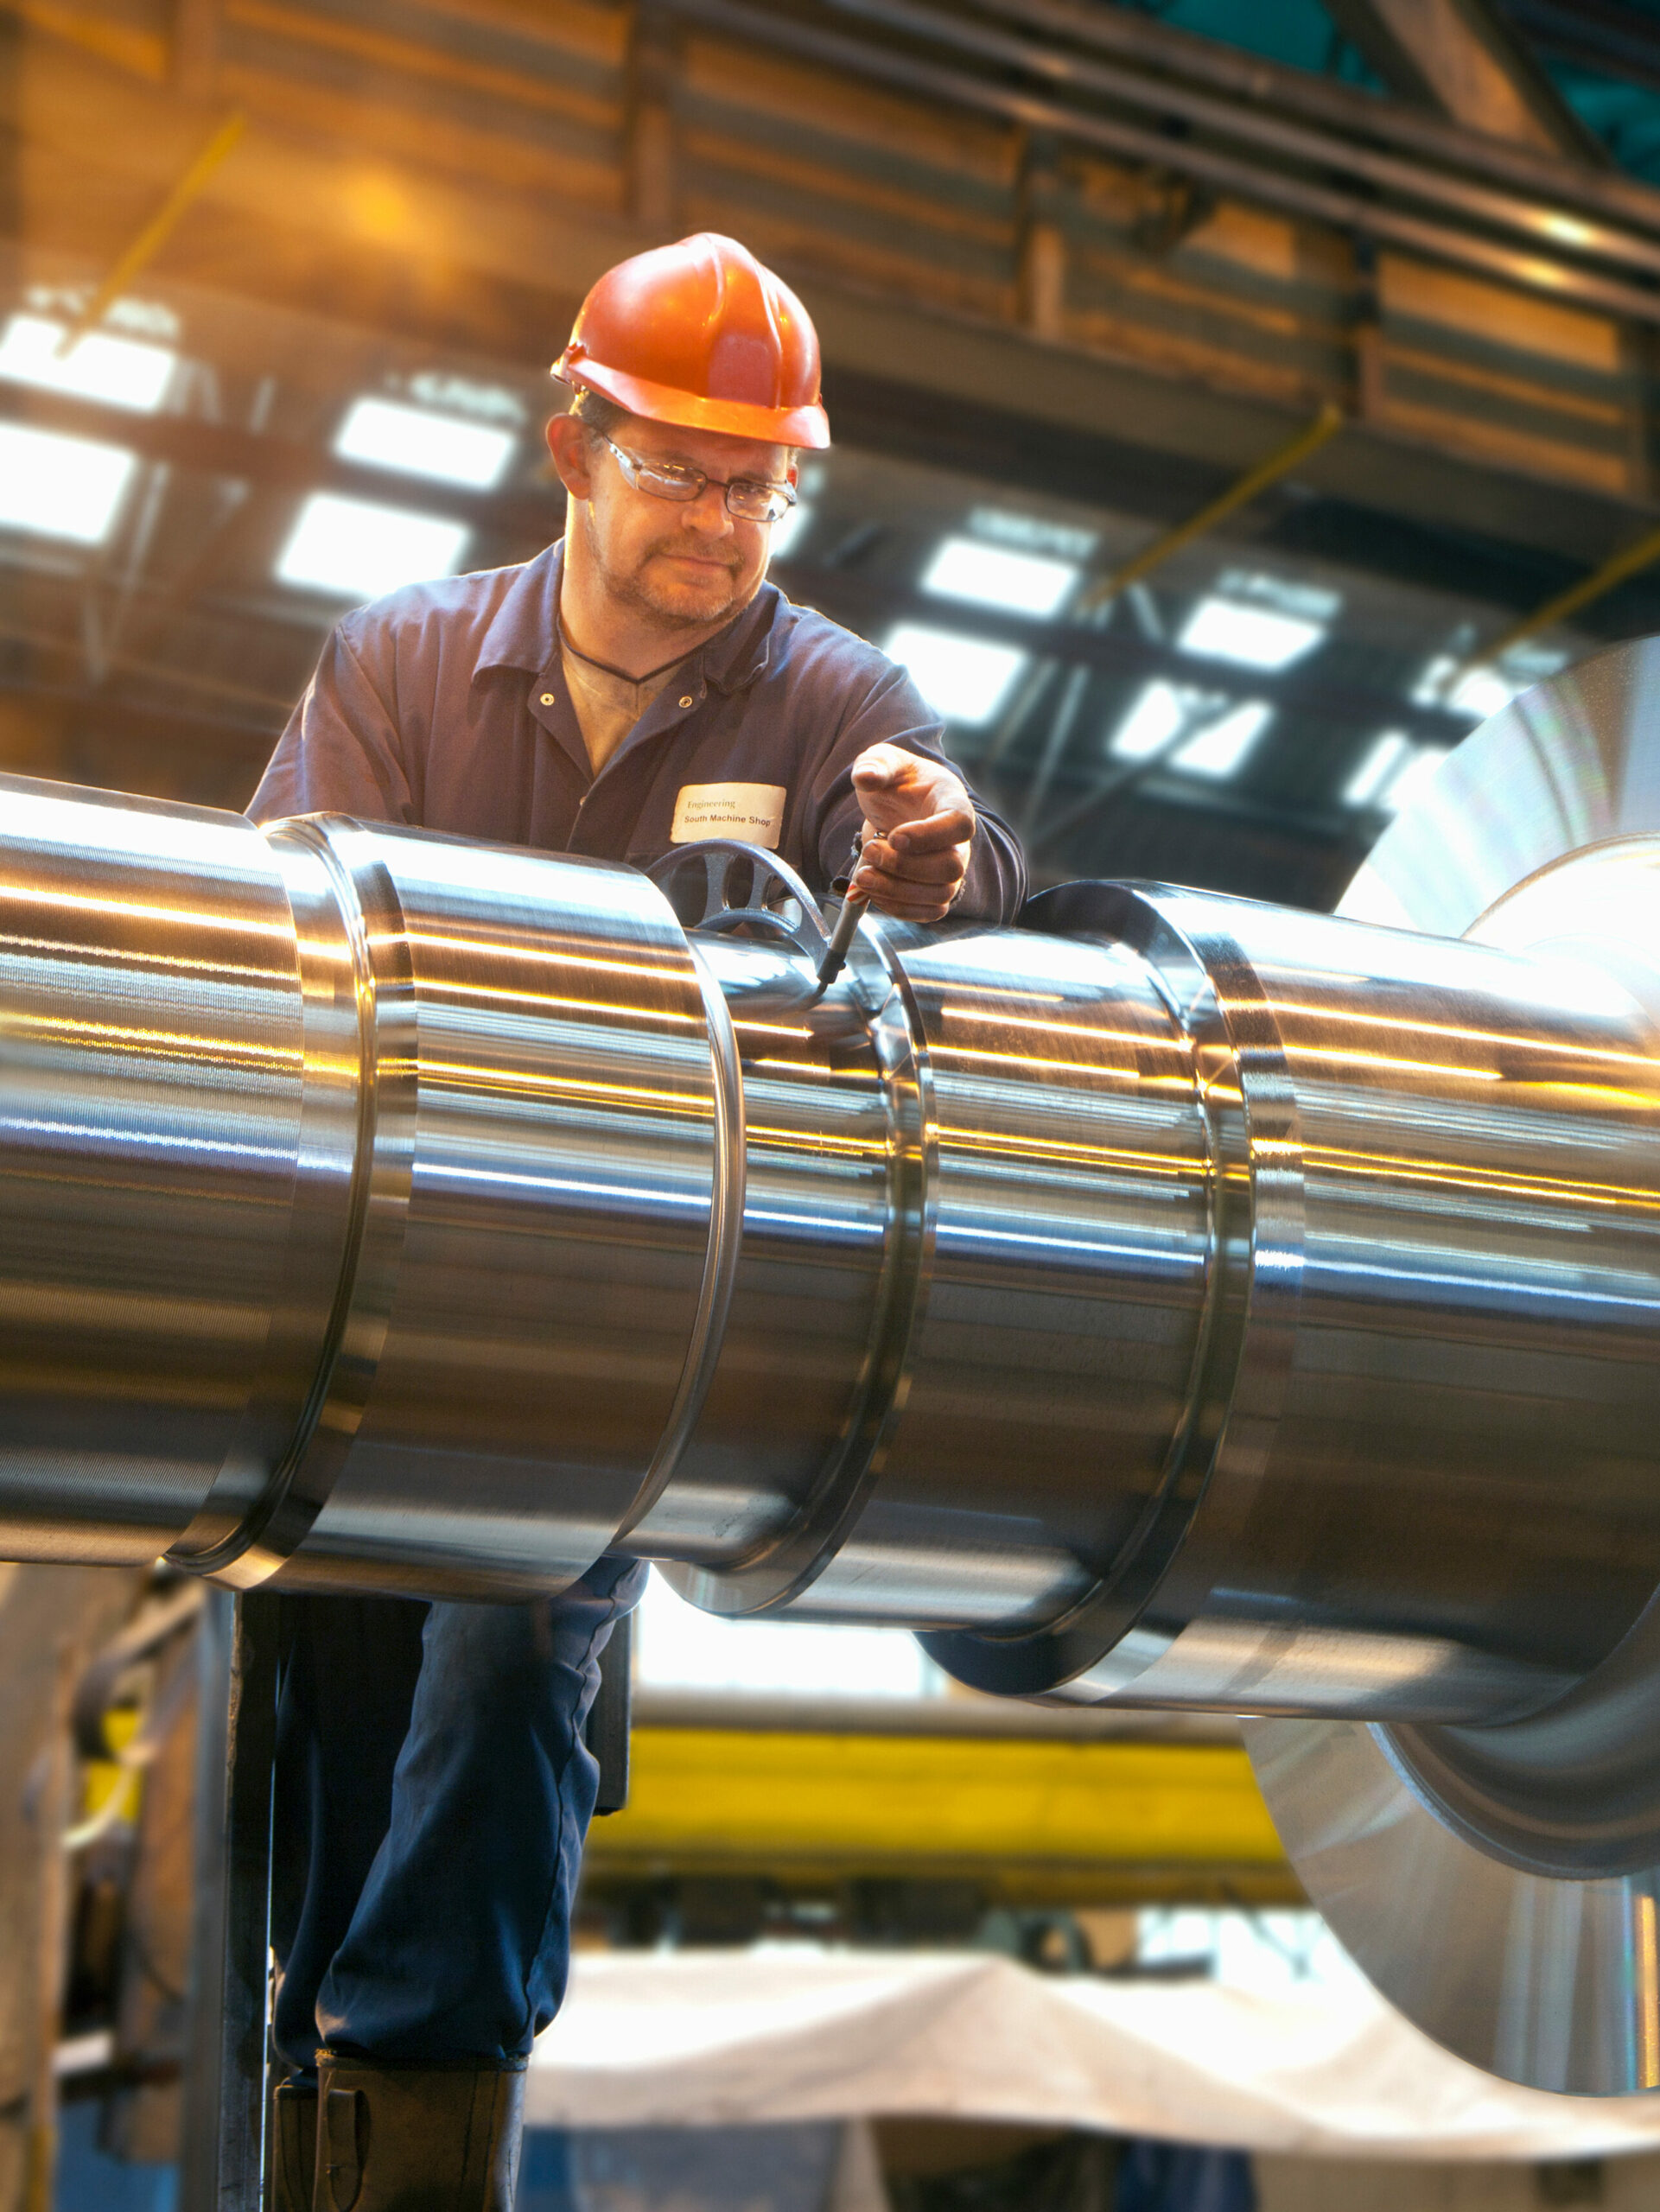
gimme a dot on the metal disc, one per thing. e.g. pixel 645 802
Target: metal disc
pixel 1573 761
pixel 1548 1978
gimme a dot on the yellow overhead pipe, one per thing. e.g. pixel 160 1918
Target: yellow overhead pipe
pixel 160 227
pixel 1309 440
pixel 1641 554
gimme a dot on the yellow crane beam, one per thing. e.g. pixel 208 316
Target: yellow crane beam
pixel 1081 1818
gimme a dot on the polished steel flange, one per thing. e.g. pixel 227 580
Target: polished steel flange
pixel 1499 1883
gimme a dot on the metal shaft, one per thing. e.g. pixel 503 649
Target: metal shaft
pixel 1195 1304
pixel 1179 1302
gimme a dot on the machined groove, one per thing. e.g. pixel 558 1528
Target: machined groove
pixel 725 1248
pixel 782 1569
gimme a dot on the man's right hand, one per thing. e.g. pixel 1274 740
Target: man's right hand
pixel 921 825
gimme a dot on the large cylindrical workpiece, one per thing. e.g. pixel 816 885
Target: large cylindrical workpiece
pixel 1191 1302
pixel 358 1197
pixel 1173 1299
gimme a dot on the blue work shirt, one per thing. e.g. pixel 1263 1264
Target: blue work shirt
pixel 445 706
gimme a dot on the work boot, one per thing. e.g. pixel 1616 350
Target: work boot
pixel 417 2138
pixel 294 2146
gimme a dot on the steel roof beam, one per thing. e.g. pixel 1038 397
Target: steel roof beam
pixel 1359 213
pixel 1460 57
pixel 1361 117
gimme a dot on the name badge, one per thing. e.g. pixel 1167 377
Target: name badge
pixel 751 812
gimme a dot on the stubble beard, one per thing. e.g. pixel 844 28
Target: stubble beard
pixel 666 610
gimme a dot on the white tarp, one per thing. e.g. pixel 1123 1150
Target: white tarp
pixel 737 2038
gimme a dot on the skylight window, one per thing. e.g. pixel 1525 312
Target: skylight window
pixel 996 576
pixel 355 550
pixel 1377 766
pixel 1256 637
pixel 681 1646
pixel 121 371
pixel 488 402
pixel 388 435
pixel 1221 748
pixel 963 679
pixel 1480 689
pixel 1222 731
pixel 1392 772
pixel 138 318
pixel 1445 681
pixel 61 487
pixel 1158 712
pixel 1314 602
pixel 1481 692
pixel 1033 533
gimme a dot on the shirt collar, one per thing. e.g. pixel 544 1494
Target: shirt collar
pixel 523 631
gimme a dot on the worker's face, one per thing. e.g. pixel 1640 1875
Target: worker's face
pixel 685 565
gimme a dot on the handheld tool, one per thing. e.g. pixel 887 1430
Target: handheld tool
pixel 841 936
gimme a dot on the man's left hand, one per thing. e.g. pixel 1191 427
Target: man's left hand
pixel 921 821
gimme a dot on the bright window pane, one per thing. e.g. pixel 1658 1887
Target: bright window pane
pixel 118 370
pixel 679 1646
pixel 58 487
pixel 1033 533
pixel 359 551
pixel 1221 747
pixel 962 679
pixel 1448 680
pixel 1481 691
pixel 1256 637
pixel 388 435
pixel 1157 712
pixel 1223 732
pixel 484 403
pixel 1377 765
pixel 1313 601
pixel 1393 771
pixel 996 576
pixel 1430 687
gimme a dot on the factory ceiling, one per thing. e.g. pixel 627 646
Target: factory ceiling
pixel 1078 267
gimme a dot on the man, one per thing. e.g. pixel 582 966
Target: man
pixel 640 686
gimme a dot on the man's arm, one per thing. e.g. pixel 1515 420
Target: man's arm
pixel 341 752
pixel 937 849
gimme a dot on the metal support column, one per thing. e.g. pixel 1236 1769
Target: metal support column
pixel 222 2160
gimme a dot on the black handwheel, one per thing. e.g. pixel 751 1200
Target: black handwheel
pixel 723 886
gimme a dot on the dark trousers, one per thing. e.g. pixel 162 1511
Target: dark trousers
pixel 433 1792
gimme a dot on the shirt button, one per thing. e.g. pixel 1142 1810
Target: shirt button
pixel 685 702
pixel 547 698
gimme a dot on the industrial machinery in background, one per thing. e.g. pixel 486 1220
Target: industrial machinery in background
pixel 1175 1302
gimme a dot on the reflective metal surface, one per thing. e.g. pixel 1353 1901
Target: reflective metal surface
pixel 1570 763
pixel 827 1278
pixel 368 1199
pixel 1499 1884
pixel 1177 1301
pixel 152 1078
pixel 544 1251
pixel 1065 1174
pixel 1434 1134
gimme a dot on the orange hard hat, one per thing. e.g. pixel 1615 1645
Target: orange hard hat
pixel 700 334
